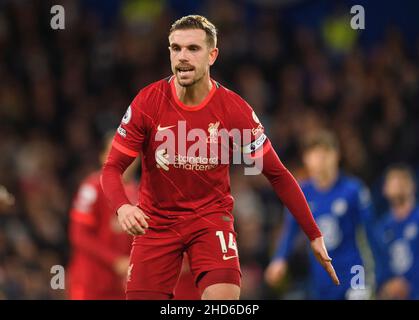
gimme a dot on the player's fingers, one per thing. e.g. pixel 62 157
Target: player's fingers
pixel 144 215
pixel 125 227
pixel 135 226
pixel 128 226
pixel 133 231
pixel 127 223
pixel 331 271
pixel 325 256
pixel 141 212
pixel 141 219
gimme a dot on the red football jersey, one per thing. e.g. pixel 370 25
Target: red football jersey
pixel 96 241
pixel 182 147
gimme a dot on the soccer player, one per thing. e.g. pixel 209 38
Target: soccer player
pixel 397 270
pixel 340 204
pixel 175 125
pixel 99 247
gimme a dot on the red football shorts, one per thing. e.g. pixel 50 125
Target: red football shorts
pixel 156 257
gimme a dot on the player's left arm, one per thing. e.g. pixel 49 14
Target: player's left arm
pixel 256 147
pixel 291 195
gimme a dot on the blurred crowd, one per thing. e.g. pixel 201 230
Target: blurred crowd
pixel 61 90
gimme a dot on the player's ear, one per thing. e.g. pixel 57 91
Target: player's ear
pixel 213 56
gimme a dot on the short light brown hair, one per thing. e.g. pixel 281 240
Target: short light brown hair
pixel 323 138
pixel 197 22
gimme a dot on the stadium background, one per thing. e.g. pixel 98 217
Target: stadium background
pixel 298 63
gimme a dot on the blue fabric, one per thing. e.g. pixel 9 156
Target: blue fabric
pixel 339 212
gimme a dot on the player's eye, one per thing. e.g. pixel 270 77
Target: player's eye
pixel 193 48
pixel 175 48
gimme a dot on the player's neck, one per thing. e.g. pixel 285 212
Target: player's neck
pixel 326 180
pixel 194 94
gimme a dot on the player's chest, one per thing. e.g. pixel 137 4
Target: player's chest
pixel 181 129
pixel 406 232
pixel 334 205
pixel 207 119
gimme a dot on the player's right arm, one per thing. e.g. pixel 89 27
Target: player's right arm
pixel 279 264
pixel 126 147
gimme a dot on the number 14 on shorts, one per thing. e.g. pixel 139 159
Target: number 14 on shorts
pixel 231 245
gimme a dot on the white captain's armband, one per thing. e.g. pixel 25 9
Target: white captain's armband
pixel 255 145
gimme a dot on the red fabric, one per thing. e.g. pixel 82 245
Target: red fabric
pixel 157 256
pixel 185 287
pixel 290 193
pixel 111 178
pixel 147 295
pixel 219 276
pixel 96 241
pixel 180 188
pixel 83 239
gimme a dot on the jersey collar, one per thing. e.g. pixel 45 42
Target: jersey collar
pixel 196 107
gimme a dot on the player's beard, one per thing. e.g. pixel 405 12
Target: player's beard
pixel 189 82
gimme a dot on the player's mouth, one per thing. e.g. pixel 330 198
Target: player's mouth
pixel 185 71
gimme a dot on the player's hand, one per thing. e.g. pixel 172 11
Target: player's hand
pixel 320 252
pixel 276 272
pixel 132 219
pixel 120 266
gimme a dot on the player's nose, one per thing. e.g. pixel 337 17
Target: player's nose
pixel 183 55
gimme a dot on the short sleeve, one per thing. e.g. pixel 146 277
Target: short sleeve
pixel 132 130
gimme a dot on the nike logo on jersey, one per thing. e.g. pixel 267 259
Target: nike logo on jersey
pixel 160 128
pixel 228 257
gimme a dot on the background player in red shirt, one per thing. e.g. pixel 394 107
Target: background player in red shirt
pixel 99 247
pixel 185 203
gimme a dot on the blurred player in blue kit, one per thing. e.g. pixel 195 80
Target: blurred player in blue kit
pixel 397 269
pixel 341 204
